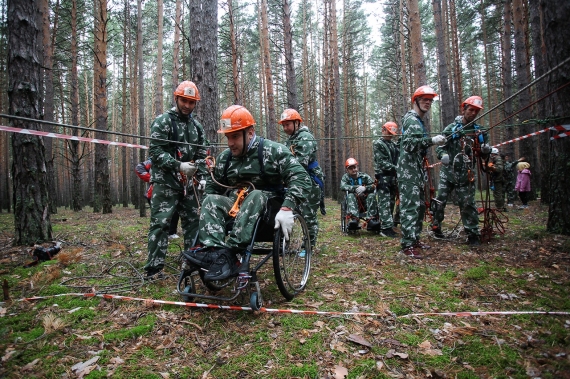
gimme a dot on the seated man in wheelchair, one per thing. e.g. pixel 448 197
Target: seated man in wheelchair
pixel 245 176
pixel 358 185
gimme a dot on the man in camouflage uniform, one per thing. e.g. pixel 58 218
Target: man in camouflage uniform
pixel 495 167
pixel 411 173
pixel 510 176
pixel 182 142
pixel 458 169
pixel 386 154
pixel 304 147
pixel 235 168
pixel 359 187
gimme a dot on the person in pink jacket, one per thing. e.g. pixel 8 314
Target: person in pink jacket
pixel 523 183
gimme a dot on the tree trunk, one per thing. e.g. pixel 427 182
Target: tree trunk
pixel 448 107
pixel 77 196
pixel 48 96
pixel 292 101
pixel 556 37
pixel 238 98
pixel 176 50
pixel 418 64
pixel 506 68
pixel 271 121
pixel 124 126
pixel 102 201
pixel 158 98
pixel 31 194
pixel 455 47
pixel 522 63
pixel 142 127
pixel 204 49
pixel 405 88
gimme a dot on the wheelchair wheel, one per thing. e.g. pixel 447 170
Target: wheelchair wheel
pixel 255 301
pixel 187 283
pixel 292 259
pixel 343 227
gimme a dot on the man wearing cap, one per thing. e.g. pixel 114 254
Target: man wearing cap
pixel 386 155
pixel 412 176
pixel 458 168
pixel 263 166
pixel 495 167
pixel 177 146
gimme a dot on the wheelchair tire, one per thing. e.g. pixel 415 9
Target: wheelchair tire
pixel 187 283
pixel 254 301
pixel 292 259
pixel 343 224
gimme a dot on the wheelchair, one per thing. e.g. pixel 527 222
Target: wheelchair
pixel 291 263
pixel 345 217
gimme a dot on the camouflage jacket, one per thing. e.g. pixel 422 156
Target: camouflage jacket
pixel 304 147
pixel 509 171
pixel 347 183
pixel 386 155
pixel 497 174
pixel 413 148
pixel 281 169
pixel 165 163
pixel 460 158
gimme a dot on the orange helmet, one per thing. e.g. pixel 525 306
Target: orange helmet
pixel 187 90
pixel 350 162
pixel 234 118
pixel 475 101
pixel 390 127
pixel 424 91
pixel 290 115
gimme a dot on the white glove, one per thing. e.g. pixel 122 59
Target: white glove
pixel 285 219
pixel 202 185
pixel 445 159
pixel 188 168
pixel 485 148
pixel 439 140
pixel 360 190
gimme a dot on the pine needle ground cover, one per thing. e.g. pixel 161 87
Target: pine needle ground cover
pixel 526 269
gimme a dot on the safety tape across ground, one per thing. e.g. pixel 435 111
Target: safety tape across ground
pixel 67 136
pixel 295 311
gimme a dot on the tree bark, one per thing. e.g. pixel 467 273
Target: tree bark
pixel 448 106
pixel 271 121
pixel 292 101
pixel 204 49
pixel 158 98
pixel 238 98
pixel 506 68
pixel 455 47
pixel 556 37
pixel 142 126
pixel 31 195
pixel 176 50
pixel 77 196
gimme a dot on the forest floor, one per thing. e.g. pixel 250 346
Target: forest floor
pixel 71 336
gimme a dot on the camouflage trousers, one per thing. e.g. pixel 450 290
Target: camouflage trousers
pixel 386 192
pixel 368 200
pixel 510 190
pixel 499 194
pixel 412 211
pixel 466 199
pixel 214 217
pixel 309 212
pixel 163 204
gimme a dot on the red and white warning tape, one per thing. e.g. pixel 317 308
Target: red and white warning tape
pixel 296 311
pixel 565 129
pixel 67 136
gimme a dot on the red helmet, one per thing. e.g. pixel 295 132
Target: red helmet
pixel 424 91
pixel 350 162
pixel 475 101
pixel 234 118
pixel 391 128
pixel 290 115
pixel 187 90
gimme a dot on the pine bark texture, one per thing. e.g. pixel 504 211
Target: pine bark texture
pixel 556 37
pixel 158 98
pixel 203 49
pixel 448 106
pixel 140 89
pixel 270 119
pixel 292 101
pixel 31 198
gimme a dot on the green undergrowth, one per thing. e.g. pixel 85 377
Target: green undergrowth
pixel 522 270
